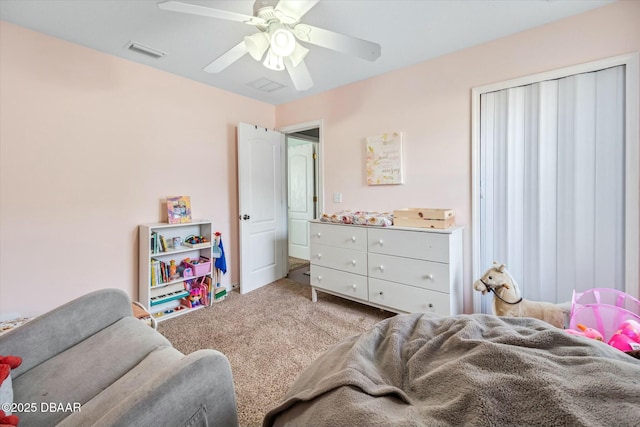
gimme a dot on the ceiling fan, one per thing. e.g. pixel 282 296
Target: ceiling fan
pixel 279 25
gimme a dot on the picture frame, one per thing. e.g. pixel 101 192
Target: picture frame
pixel 384 159
pixel 179 209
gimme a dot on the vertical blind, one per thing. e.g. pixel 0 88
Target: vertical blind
pixel 552 183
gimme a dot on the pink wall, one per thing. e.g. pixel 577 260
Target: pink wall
pixel 90 145
pixel 431 104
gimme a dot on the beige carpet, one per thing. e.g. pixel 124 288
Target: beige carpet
pixel 295 263
pixel 269 335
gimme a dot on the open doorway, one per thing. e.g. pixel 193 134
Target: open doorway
pixel 303 190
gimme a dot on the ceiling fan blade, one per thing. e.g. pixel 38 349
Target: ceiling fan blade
pixel 176 6
pixel 293 9
pixel 299 75
pixel 227 58
pixel 339 42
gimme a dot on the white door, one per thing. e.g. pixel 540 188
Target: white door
pixel 261 206
pixel 301 195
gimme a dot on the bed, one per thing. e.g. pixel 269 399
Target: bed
pixel 471 370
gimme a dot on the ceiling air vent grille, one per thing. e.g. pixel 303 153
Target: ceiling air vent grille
pixel 145 50
pixel 265 85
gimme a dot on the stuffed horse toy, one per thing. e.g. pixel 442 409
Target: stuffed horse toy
pixel 508 302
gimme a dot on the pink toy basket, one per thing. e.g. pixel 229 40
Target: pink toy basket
pixel 603 309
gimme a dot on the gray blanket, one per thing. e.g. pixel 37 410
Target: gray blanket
pixel 427 370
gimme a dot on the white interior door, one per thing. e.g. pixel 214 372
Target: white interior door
pixel 261 206
pixel 301 195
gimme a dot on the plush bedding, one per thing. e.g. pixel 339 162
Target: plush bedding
pixel 472 370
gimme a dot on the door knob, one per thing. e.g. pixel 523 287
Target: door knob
pixel 245 216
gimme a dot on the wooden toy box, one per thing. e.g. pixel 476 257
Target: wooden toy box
pixel 424 218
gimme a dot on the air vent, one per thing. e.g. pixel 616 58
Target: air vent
pixel 266 85
pixel 145 50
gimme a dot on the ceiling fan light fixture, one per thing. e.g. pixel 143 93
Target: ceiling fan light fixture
pixel 257 44
pixel 273 62
pixel 298 54
pixel 283 42
pixel 302 32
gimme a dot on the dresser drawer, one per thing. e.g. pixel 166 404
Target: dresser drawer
pixel 414 272
pixel 407 298
pixel 349 284
pixel 341 259
pixel 341 236
pixel 411 244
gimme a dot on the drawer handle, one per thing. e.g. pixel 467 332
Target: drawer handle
pixel 319 256
pixel 319 234
pixel 381 268
pixel 429 276
pixel 381 293
pixel 381 242
pixel 353 261
pixel 319 278
pixel 353 238
pixel 354 287
pixel 430 305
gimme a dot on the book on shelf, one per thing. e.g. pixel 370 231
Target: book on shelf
pixel 163 243
pixel 158 243
pixel 160 272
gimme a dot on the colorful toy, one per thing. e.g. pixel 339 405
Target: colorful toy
pixel 627 337
pixel 173 269
pixel 193 300
pixel 6 389
pixel 194 240
pixel 631 328
pixel 8 420
pixel 586 332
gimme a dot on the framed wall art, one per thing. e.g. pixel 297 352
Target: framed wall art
pixel 384 159
pixel 179 209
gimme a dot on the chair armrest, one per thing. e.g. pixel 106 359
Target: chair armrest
pixel 198 391
pixel 63 327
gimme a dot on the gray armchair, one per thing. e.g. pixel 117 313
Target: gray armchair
pixel 89 362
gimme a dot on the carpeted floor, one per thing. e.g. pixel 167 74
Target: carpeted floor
pixel 295 263
pixel 269 335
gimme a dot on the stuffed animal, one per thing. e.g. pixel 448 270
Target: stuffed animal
pixel 586 332
pixel 627 337
pixel 193 300
pixel 508 302
pixel 6 389
pixel 8 420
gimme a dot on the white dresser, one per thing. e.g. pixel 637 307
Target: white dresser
pixel 400 269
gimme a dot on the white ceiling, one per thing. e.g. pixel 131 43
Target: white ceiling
pixel 409 31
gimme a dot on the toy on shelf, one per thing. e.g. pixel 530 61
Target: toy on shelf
pixel 586 332
pixel 173 270
pixel 193 300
